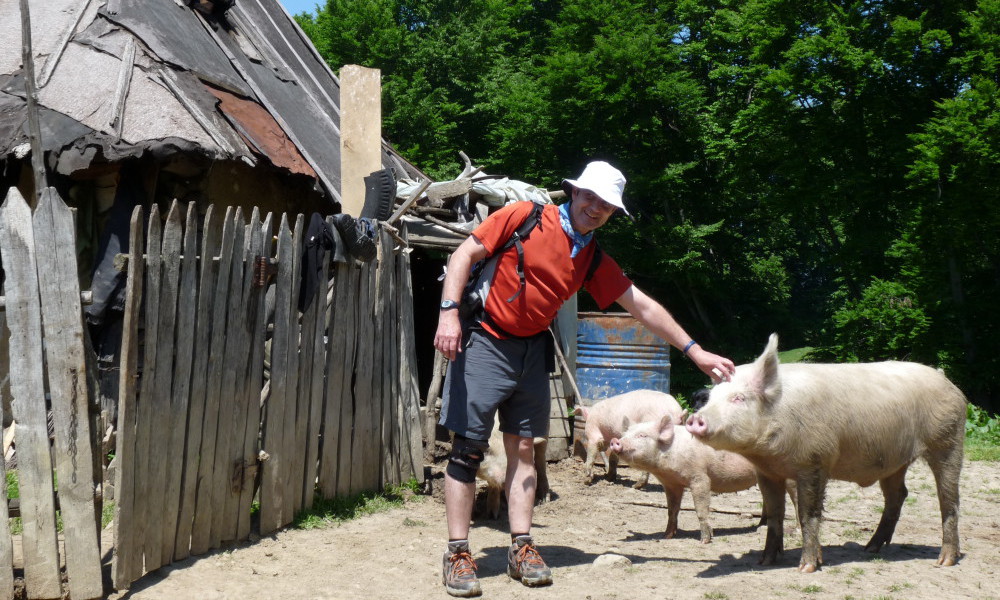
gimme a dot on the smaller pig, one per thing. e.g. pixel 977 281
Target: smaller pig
pixel 679 460
pixel 604 422
pixel 493 470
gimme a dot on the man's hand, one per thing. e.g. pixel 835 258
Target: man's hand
pixel 719 368
pixel 448 339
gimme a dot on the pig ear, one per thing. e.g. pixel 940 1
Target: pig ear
pixel 625 423
pixel 764 374
pixel 666 429
pixel 684 417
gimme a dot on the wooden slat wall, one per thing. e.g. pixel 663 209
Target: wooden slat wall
pixel 205 427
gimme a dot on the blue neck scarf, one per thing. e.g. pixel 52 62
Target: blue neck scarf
pixel 580 240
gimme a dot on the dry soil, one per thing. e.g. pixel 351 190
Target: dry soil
pixel 397 554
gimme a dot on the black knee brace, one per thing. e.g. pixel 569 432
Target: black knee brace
pixel 465 457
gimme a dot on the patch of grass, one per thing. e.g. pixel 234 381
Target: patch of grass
pixel 878 560
pixel 853 533
pixel 408 522
pixel 981 451
pixel 107 513
pixel 992 491
pixel 899 587
pixel 812 589
pixel 855 574
pixel 795 355
pixel 982 434
pixel 325 512
pixel 716 596
pixel 13 490
pixel 911 500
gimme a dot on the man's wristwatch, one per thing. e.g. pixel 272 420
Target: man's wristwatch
pixel 448 304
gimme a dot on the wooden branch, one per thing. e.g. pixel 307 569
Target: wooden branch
pixel 413 198
pixel 446 225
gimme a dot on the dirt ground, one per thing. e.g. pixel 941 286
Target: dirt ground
pixel 397 554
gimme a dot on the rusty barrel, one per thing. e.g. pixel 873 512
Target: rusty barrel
pixel 617 354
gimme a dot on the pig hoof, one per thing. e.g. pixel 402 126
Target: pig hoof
pixel 807 568
pixel 706 540
pixel 669 535
pixel 947 560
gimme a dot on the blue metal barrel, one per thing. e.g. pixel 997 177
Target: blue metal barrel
pixel 617 354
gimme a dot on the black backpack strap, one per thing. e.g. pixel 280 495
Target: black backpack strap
pixel 534 219
pixel 595 261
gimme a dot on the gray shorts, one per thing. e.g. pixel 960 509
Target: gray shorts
pixel 493 376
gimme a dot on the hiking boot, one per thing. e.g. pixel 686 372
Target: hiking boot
pixel 459 571
pixel 524 563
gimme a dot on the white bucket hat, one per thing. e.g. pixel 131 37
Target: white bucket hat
pixel 602 179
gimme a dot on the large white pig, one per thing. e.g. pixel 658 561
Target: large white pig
pixel 860 422
pixel 604 421
pixel 679 460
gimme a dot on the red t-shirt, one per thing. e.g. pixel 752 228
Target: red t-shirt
pixel 551 276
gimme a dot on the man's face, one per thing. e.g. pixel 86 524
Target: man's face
pixel 588 211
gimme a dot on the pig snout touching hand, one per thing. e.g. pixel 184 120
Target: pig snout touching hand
pixel 679 461
pixel 493 470
pixel 604 419
pixel 859 422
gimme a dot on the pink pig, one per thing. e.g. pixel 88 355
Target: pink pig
pixel 604 421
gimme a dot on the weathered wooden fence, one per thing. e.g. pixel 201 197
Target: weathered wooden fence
pixel 242 396
pixel 235 408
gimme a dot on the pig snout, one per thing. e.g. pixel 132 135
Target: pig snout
pixel 696 425
pixel 616 445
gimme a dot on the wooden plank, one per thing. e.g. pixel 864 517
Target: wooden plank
pixel 159 440
pixel 412 448
pixel 336 348
pixel 201 536
pixel 262 244
pixel 27 389
pixel 246 323
pixel 296 413
pixel 201 349
pixel 386 368
pixel 187 302
pixel 234 361
pixel 346 461
pixel 126 546
pixel 272 486
pixel 364 462
pixel 144 415
pixel 59 291
pixel 360 133
pixel 313 378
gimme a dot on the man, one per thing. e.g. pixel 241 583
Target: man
pixel 498 368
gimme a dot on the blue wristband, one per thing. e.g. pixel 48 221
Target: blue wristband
pixel 688 347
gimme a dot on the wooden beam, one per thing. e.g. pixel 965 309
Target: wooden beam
pixel 360 133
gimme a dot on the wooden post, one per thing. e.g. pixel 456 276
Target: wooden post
pixel 34 128
pixel 360 133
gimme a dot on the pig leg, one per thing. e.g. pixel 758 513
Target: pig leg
pixel 674 493
pixel 701 493
pixel 894 491
pixel 947 466
pixel 642 481
pixel 493 501
pixel 612 465
pixel 773 492
pixel 593 447
pixel 541 473
pixel 812 488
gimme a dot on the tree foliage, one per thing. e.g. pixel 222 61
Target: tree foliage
pixel 825 169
